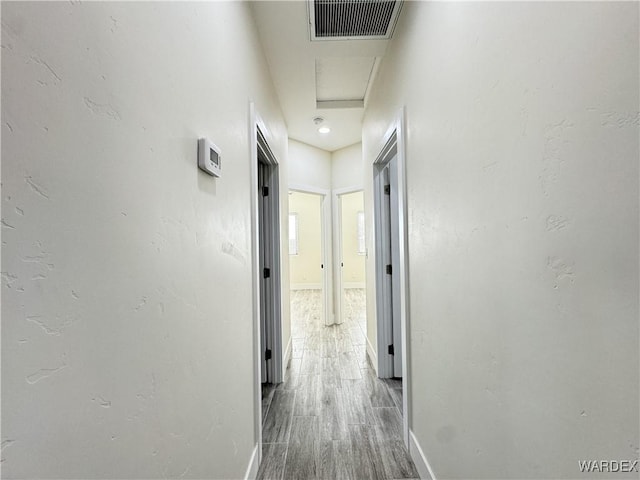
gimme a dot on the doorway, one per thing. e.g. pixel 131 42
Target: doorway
pixel 388 236
pixel 391 276
pixel 306 259
pixel 269 276
pixel 351 257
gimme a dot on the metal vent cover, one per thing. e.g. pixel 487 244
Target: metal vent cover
pixel 353 19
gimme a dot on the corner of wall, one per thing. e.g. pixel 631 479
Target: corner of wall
pixel 254 464
pixel 419 458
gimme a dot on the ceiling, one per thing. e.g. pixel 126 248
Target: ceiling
pixel 321 78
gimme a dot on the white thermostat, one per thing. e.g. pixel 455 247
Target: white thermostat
pixel 209 158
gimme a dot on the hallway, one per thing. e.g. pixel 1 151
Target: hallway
pixel 332 418
pixel 135 285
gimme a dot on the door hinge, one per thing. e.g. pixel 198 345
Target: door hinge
pixel 265 191
pixel 390 350
pixel 267 354
pixel 389 270
pixel 387 189
pixel 266 272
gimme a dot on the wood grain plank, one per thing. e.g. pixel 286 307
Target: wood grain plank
pixel 343 340
pixel 366 461
pixel 267 396
pixel 277 424
pixel 307 396
pixel 395 458
pixel 272 464
pixel 376 389
pixel 333 424
pixel 311 363
pixel 304 450
pixel 328 345
pixel 396 394
pixel 389 421
pixel 297 347
pixel 335 460
pixel 349 368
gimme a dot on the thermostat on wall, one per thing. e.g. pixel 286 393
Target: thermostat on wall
pixel 209 158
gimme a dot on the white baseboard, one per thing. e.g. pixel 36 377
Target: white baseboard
pixel 373 355
pixel 286 358
pixel 419 458
pixel 254 465
pixel 346 285
pixel 306 286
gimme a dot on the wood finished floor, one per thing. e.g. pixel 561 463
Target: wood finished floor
pixel 332 418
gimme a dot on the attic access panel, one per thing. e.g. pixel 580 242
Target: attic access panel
pixel 353 19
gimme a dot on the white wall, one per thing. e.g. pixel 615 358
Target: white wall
pixel 523 231
pixel 353 273
pixel 309 166
pixel 346 167
pixel 305 267
pixel 126 326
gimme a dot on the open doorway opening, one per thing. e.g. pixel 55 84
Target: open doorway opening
pixel 308 264
pixel 391 279
pixel 269 277
pixel 388 236
pixel 266 273
pixel 351 257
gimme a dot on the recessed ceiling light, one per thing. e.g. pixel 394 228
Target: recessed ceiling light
pixel 324 130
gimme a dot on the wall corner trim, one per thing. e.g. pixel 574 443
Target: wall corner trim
pixel 419 458
pixel 254 464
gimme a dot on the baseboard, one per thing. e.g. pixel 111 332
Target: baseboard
pixel 254 465
pixel 286 358
pixel 346 285
pixel 306 286
pixel 419 458
pixel 373 355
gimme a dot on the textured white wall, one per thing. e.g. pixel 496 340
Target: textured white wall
pixel 309 166
pixel 523 231
pixel 126 326
pixel 346 167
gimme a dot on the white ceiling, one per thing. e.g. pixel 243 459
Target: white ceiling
pixel 305 72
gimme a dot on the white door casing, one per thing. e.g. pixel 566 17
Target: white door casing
pixel 265 252
pixel 393 148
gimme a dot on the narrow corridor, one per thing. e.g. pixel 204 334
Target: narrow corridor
pixel 332 418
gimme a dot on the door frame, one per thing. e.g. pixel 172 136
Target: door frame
pixel 259 138
pixel 337 239
pixel 393 143
pixel 269 205
pixel 326 254
pixel 386 301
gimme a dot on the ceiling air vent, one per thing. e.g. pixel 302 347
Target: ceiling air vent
pixel 353 19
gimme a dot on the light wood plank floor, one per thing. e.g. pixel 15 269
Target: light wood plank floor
pixel 332 418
